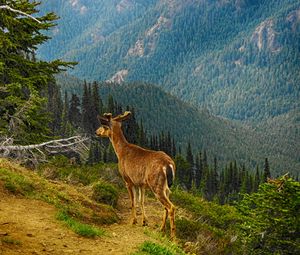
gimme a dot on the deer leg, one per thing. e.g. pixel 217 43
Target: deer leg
pixel 165 216
pixel 169 210
pixel 142 195
pixel 131 191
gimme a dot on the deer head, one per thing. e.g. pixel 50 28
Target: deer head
pixel 109 124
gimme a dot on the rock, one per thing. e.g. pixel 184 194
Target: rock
pixel 30 235
pixel 2 233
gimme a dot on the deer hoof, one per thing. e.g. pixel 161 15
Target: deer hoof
pixel 145 223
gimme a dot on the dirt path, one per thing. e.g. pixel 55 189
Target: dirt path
pixel 33 224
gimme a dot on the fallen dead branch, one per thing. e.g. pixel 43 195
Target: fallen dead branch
pixel 76 146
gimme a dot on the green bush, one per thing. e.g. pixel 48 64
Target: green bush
pixel 104 192
pixel 150 248
pixel 272 224
pixel 219 216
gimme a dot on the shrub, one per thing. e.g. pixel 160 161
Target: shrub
pixel 273 222
pixel 104 192
pixel 153 249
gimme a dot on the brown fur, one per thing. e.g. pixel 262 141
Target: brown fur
pixel 140 168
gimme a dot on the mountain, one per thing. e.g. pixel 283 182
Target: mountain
pixel 223 138
pixel 238 58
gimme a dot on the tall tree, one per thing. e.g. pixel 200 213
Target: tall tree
pixel 86 109
pixel 190 160
pixel 74 111
pixel 267 173
pixel 23 78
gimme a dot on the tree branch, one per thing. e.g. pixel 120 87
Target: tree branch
pixel 20 12
pixel 35 153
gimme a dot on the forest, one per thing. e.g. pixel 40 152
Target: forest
pixel 233 209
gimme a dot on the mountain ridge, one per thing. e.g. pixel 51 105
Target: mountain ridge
pixel 237 58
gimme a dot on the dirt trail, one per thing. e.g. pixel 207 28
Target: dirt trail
pixel 33 224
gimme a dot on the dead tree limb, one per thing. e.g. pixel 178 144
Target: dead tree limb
pixel 19 12
pixel 35 153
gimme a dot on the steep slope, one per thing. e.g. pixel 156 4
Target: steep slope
pixel 30 226
pixel 237 58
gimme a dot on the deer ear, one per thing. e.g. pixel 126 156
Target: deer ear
pixel 123 116
pixel 104 120
pixel 107 115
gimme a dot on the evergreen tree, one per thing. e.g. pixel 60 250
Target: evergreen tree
pixel 267 173
pixel 23 78
pixel 256 180
pixel 174 151
pixel 55 109
pixel 111 105
pixel 190 160
pixel 214 178
pixel 97 106
pixel 199 169
pixel 182 168
pixel 74 111
pixel 86 109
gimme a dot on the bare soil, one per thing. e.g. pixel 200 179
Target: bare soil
pixel 30 226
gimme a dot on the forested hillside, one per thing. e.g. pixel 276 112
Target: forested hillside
pixel 159 112
pixel 239 59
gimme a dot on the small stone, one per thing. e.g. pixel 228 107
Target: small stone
pixel 30 235
pixel 2 233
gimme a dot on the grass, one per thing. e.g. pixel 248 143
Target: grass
pixel 9 240
pixel 104 192
pixel 15 183
pixel 151 248
pixel 78 227
pixel 165 242
pixel 211 227
pixel 22 182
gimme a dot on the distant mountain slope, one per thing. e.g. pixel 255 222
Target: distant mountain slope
pixel 221 137
pixel 240 59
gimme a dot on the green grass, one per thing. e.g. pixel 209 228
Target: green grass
pixel 72 211
pixel 15 183
pixel 78 227
pixel 9 240
pixel 59 168
pixel 104 192
pixel 150 248
pixel 163 239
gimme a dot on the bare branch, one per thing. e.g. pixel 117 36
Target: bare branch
pixel 18 11
pixel 35 153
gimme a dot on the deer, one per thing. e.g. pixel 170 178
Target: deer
pixel 140 169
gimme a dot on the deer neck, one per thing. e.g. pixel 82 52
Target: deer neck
pixel 119 142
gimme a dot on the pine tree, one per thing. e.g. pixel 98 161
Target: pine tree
pixel 199 169
pixel 86 109
pixel 55 109
pixel 74 111
pixel 267 173
pixel 214 178
pixel 97 106
pixel 111 105
pixel 256 180
pixel 190 160
pixel 24 79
